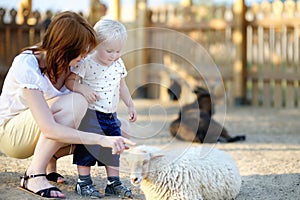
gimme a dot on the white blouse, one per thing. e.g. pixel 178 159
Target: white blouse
pixel 24 73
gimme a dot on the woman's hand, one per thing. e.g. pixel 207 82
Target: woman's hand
pixel 117 143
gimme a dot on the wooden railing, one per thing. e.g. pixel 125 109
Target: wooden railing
pixel 272 47
pixel 14 37
pixel 212 28
pixel 273 53
pixel 271 38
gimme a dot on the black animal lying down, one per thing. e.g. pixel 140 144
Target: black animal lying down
pixel 195 122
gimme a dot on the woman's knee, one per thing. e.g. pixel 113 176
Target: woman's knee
pixel 69 109
pixel 79 104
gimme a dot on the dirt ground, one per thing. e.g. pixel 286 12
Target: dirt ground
pixel 269 159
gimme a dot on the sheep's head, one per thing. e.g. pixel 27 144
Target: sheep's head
pixel 138 160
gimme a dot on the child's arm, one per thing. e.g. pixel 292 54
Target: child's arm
pixel 126 98
pixel 73 83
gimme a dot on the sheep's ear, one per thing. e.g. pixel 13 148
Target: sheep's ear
pixel 156 155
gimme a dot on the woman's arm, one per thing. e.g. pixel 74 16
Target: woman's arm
pixel 73 83
pixel 64 134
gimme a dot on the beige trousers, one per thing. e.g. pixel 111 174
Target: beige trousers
pixel 19 135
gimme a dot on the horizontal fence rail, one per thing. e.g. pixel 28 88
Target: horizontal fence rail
pixel 14 36
pixel 270 33
pixel 273 71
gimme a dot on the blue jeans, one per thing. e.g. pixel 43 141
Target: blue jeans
pixel 100 123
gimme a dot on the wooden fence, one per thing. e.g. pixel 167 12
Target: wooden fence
pixel 210 27
pixel 14 37
pixel 270 34
pixel 272 71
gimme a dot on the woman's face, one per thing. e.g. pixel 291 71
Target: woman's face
pixel 75 61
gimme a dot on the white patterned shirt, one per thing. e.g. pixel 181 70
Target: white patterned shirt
pixel 105 80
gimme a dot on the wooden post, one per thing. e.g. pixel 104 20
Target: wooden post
pixel 140 55
pixel 186 3
pixel 25 7
pixel 97 10
pixel 165 81
pixel 239 39
pixel 116 10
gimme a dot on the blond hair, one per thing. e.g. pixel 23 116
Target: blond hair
pixel 108 30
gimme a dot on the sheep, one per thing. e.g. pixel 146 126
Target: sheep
pixel 194 173
pixel 195 122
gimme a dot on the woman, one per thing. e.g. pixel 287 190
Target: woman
pixel 38 115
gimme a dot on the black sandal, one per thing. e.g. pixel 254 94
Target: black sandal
pixel 46 193
pixel 54 176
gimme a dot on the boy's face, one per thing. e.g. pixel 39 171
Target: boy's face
pixel 108 52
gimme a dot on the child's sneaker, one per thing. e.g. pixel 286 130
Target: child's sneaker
pixel 118 190
pixel 87 190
